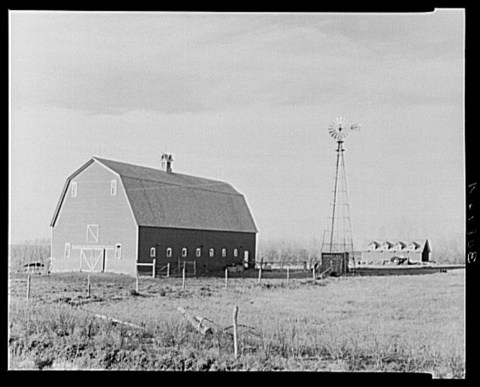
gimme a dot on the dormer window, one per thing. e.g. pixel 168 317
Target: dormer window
pixel 212 252
pixel 224 253
pixel 113 187
pixel 169 252
pixel 74 189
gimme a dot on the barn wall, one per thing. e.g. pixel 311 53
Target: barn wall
pixel 95 205
pixel 177 239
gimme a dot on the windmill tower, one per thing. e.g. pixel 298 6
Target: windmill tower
pixel 337 245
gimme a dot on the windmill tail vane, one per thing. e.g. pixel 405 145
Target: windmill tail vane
pixel 355 127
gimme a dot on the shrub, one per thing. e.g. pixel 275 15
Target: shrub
pixel 21 254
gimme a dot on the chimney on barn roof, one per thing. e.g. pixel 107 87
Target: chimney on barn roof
pixel 167 160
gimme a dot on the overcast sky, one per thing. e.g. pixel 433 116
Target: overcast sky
pixel 247 98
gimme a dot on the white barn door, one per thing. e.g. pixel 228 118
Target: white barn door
pixel 92 259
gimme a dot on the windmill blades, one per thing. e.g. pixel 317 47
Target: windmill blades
pixel 338 128
pixel 335 133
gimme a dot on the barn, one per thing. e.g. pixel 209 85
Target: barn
pixel 118 217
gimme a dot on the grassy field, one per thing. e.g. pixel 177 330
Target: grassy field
pixel 375 323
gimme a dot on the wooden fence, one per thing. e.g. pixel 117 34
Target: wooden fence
pixel 153 265
pixel 275 265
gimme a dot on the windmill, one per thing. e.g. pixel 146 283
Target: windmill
pixel 337 239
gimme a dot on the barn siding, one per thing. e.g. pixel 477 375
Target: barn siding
pixel 95 205
pixel 177 239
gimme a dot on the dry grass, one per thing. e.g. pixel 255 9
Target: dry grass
pixel 397 323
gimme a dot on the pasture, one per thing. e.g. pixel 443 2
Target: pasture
pixel 358 323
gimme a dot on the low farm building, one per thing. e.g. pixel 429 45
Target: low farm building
pixel 117 217
pixel 379 251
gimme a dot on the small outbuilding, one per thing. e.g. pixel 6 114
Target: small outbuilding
pixel 118 217
pixel 414 251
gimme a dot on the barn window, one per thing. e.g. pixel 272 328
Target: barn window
pixel 113 187
pixel 184 252
pixel 224 253
pixel 212 252
pixel 74 189
pixel 235 252
pixel 153 252
pixel 92 233
pixel 118 251
pixel 169 252
pixel 198 253
pixel 67 250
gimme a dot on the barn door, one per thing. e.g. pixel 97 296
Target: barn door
pixel 92 259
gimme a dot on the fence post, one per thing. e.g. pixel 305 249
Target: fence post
pixel 313 272
pixel 288 274
pixel 28 286
pixel 136 283
pixel 235 337
pixel 260 274
pixel 183 277
pixel 154 267
pixel 88 285
pixel 226 277
pixel 168 269
pixel 194 267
